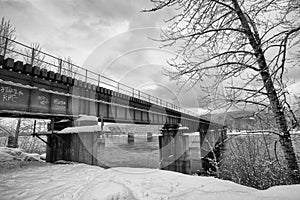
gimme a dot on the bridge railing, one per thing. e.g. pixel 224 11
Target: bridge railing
pixel 36 57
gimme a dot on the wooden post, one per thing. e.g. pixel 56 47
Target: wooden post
pixel 60 66
pixel 102 124
pixel 99 76
pixel 32 56
pixel 5 47
pixel 86 75
pixel 174 153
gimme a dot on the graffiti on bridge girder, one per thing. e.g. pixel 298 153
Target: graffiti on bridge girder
pixel 10 94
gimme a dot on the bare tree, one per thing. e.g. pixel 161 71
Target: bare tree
pixel 66 67
pixel 7 34
pixel 17 133
pixel 13 129
pixel 34 55
pixel 251 160
pixel 4 129
pixel 242 45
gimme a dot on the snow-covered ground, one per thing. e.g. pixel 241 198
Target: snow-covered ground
pixel 11 154
pixel 80 181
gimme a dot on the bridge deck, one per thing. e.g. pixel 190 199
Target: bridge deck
pixel 54 91
pixel 27 92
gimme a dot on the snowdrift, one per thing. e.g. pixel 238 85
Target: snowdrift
pixel 9 154
pixel 80 181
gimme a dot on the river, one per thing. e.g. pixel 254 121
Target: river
pixel 119 152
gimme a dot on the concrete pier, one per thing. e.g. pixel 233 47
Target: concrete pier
pixel 101 142
pixel 149 137
pixel 174 153
pixel 130 138
pixel 74 140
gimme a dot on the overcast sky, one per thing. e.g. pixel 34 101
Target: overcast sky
pixel 111 37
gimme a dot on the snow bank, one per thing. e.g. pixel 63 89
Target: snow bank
pixel 9 154
pixel 81 129
pixel 87 118
pixel 80 181
pixel 4 156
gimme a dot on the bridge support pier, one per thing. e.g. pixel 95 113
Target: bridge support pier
pixel 130 138
pixel 101 142
pixel 149 137
pixel 212 149
pixel 77 141
pixel 174 153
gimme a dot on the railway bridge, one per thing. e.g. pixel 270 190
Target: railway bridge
pixel 48 87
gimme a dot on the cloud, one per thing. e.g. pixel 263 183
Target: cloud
pixel 133 59
pixel 109 37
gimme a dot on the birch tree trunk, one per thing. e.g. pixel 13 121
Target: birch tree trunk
pixel 276 107
pixel 244 45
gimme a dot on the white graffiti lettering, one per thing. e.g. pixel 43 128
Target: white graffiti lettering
pixel 43 100
pixel 59 102
pixel 10 94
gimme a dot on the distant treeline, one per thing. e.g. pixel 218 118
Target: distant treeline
pixel 244 120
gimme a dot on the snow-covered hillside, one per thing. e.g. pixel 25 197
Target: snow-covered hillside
pixel 80 181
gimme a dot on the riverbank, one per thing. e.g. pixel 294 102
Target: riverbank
pixel 80 181
pixel 25 179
